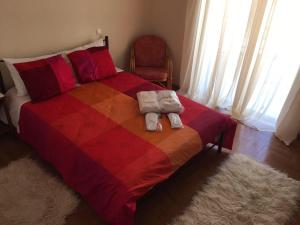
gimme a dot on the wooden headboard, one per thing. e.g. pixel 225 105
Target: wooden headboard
pixel 3 87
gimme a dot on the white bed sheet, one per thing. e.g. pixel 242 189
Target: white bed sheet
pixel 15 102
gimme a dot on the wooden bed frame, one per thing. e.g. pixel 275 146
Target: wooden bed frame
pixel 219 142
pixel 2 87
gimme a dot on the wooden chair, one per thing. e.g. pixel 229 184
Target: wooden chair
pixel 150 60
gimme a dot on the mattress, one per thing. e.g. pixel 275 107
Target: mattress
pixel 95 137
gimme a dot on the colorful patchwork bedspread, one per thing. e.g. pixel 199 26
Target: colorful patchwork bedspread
pixel 95 137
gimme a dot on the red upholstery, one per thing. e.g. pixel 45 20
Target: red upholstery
pixel 150 51
pixel 149 59
pixel 153 73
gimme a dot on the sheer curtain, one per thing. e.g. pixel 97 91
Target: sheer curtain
pixel 242 56
pixel 288 124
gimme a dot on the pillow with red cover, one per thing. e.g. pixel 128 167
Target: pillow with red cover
pixel 46 78
pixel 92 64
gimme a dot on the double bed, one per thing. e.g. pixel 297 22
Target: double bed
pixel 94 136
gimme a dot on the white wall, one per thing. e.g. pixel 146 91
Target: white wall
pixel 167 19
pixel 35 27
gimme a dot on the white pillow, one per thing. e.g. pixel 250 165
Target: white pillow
pixel 19 84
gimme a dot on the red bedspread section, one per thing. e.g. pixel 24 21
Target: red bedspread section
pixel 207 122
pixel 94 136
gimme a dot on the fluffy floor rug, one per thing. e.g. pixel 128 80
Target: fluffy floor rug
pixel 243 192
pixel 31 196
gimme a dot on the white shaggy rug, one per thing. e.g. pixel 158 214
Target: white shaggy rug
pixel 243 192
pixel 31 196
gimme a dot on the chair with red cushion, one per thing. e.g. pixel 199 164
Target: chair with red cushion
pixel 149 59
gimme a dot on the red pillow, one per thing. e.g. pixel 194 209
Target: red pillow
pixel 92 64
pixel 46 78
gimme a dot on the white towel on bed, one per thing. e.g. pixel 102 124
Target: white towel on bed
pixel 175 121
pixel 165 101
pixel 152 122
pixel 148 101
pixel 169 102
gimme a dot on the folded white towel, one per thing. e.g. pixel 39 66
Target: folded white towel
pixel 175 120
pixel 148 101
pixel 169 101
pixel 165 101
pixel 152 122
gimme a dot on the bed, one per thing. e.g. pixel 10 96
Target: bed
pixel 94 136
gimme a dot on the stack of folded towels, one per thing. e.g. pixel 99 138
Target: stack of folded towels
pixel 153 103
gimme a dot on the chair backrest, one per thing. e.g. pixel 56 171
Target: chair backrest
pixel 150 51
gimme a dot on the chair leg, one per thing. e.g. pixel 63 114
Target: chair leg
pixel 169 84
pixel 170 74
pixel 220 142
pixel 132 61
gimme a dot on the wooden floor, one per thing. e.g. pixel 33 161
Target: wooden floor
pixel 170 198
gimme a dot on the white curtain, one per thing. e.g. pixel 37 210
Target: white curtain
pixel 241 56
pixel 288 125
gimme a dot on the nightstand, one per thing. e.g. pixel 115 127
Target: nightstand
pixel 5 128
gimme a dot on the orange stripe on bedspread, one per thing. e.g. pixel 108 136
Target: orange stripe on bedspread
pixel 178 144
